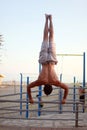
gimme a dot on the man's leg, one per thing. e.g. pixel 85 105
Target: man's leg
pixel 44 47
pixel 52 46
pixel 51 30
pixel 45 35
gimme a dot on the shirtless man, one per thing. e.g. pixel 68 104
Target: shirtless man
pixel 47 58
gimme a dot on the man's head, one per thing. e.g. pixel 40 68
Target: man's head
pixel 47 89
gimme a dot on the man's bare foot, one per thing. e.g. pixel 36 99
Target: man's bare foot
pixel 47 16
pixel 50 17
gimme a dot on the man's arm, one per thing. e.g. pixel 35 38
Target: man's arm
pixel 29 94
pixel 30 86
pixel 66 90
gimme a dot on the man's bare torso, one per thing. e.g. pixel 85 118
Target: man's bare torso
pixel 48 74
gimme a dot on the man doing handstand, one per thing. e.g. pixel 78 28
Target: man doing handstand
pixel 47 58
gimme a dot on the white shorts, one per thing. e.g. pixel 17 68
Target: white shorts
pixel 47 53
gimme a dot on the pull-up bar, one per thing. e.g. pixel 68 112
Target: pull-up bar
pixel 84 66
pixel 69 54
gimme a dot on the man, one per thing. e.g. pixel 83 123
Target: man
pixel 82 94
pixel 47 58
pixel 82 97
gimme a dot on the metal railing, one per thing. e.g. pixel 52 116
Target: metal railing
pixel 76 112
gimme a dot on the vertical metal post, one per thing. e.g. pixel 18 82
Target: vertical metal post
pixel 21 82
pixel 40 94
pixel 27 112
pixel 74 94
pixel 84 68
pixel 61 77
pixel 84 82
pixel 60 96
pixel 76 116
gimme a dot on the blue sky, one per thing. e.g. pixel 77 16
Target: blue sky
pixel 22 22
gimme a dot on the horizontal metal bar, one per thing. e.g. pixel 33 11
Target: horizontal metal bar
pixel 35 110
pixel 13 101
pixel 12 94
pixel 48 102
pixel 69 54
pixel 6 109
pixel 16 106
pixel 38 96
pixel 33 118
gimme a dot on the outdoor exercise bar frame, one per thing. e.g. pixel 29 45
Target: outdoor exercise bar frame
pixel 84 76
pixel 84 63
pixel 60 95
pixel 40 87
pixel 48 102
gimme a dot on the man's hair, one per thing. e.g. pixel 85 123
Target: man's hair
pixel 47 89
